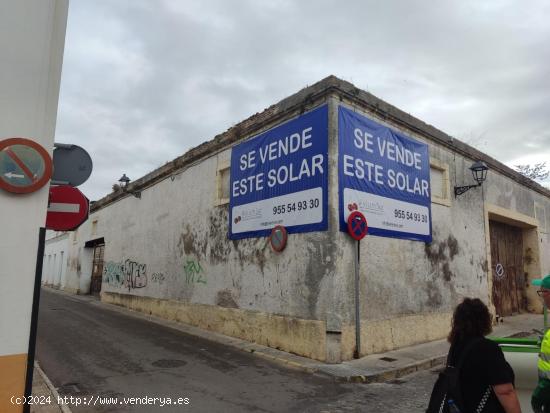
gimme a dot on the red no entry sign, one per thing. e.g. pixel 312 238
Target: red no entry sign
pixel 357 225
pixel 67 208
pixel 25 166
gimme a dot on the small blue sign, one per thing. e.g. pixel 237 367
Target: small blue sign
pixel 385 175
pixel 280 178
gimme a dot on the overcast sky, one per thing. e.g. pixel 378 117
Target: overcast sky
pixel 144 81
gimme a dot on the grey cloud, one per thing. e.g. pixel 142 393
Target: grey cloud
pixel 145 81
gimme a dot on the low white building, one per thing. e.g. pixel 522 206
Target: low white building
pixel 177 251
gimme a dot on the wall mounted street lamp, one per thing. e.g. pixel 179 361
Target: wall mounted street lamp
pixel 479 171
pixel 124 180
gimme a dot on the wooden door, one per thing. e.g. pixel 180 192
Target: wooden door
pixel 97 269
pixel 508 274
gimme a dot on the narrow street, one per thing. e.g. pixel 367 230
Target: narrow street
pixel 90 351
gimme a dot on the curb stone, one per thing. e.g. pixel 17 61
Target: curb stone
pixel 64 408
pixel 388 375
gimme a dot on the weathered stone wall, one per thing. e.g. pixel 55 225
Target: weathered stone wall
pixel 171 246
pixel 296 335
pixel 168 253
pixel 408 288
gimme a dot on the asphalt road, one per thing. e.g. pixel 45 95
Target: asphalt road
pixel 96 354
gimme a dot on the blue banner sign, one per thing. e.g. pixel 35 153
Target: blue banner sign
pixel 280 178
pixel 386 176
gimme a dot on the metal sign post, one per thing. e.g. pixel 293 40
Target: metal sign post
pixel 357 352
pixel 357 228
pixel 34 318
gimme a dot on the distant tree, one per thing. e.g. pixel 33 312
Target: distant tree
pixel 537 172
pixel 116 187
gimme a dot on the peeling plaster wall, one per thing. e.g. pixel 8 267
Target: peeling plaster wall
pixel 409 289
pixel 519 206
pixel 402 277
pixel 170 249
pixel 172 244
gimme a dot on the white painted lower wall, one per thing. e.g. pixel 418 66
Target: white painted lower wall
pixel 54 268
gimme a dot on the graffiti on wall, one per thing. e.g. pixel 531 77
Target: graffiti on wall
pixel 113 273
pixel 128 274
pixel 158 277
pixel 132 274
pixel 194 272
pixel 136 275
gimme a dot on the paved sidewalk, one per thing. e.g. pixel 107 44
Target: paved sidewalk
pixel 393 364
pixel 370 369
pixel 43 388
pixel 390 365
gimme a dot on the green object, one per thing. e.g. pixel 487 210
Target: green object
pixel 519 349
pixel 542 282
pixel 541 395
pixel 519 341
pixel 517 345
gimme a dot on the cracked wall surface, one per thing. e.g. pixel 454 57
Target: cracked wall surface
pixel 168 252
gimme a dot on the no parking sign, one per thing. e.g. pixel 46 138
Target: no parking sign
pixel 278 238
pixel 357 225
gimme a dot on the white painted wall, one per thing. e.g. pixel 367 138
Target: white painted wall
pixel 32 35
pixel 56 248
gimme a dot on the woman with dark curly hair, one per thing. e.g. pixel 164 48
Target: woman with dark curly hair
pixel 485 374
